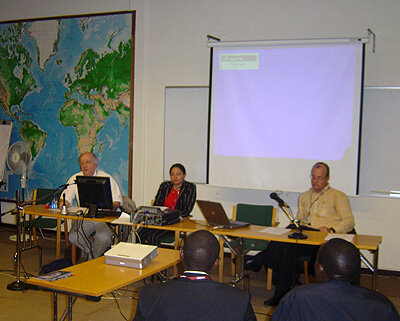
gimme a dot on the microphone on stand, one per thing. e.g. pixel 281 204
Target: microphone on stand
pixel 280 201
pixel 295 235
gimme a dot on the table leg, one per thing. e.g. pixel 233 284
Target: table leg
pixel 58 239
pixel 73 254
pixel 221 260
pixel 177 239
pixel 70 304
pixel 375 272
pixel 66 233
pixel 55 317
pixel 33 230
pixel 239 266
pixel 372 267
pixel 176 247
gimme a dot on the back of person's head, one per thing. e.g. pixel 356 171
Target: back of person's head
pixel 339 260
pixel 200 251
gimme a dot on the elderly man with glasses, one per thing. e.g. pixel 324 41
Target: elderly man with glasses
pixel 321 208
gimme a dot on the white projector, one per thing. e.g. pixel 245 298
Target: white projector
pixel 132 255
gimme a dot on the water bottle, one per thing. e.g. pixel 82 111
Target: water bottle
pixel 54 204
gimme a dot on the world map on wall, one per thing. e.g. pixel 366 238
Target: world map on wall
pixel 65 85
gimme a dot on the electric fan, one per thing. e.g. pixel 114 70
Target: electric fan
pixel 18 160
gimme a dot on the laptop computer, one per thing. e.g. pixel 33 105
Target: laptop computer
pixel 215 215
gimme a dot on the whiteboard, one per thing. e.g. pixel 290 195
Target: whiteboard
pixel 186 131
pixel 5 133
pixel 380 143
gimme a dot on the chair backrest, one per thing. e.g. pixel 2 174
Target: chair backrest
pixel 45 195
pixel 264 215
pixel 128 205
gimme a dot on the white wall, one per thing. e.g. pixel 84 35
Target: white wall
pixel 171 51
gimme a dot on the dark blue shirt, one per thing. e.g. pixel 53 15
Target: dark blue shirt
pixel 335 301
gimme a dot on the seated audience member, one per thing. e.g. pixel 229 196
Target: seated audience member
pixel 338 265
pixel 175 194
pixel 93 238
pixel 194 296
pixel 321 208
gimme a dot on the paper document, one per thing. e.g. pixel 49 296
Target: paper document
pixel 347 237
pixel 275 230
pixel 123 219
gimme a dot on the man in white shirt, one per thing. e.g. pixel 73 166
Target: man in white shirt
pixel 93 238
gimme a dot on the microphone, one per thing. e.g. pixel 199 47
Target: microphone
pixel 69 184
pixel 298 234
pixel 280 201
pixel 64 186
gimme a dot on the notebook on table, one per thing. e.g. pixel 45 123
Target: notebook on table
pixel 215 215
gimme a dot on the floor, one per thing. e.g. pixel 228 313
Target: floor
pixel 120 305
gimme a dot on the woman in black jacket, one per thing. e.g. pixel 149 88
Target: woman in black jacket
pixel 177 193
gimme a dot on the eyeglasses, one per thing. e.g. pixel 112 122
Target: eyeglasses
pixel 315 178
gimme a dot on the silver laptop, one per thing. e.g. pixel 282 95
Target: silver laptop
pixel 215 215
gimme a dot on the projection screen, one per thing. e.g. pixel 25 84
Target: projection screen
pixel 275 110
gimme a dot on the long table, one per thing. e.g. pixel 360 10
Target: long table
pixel 188 225
pixel 362 242
pixel 94 278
